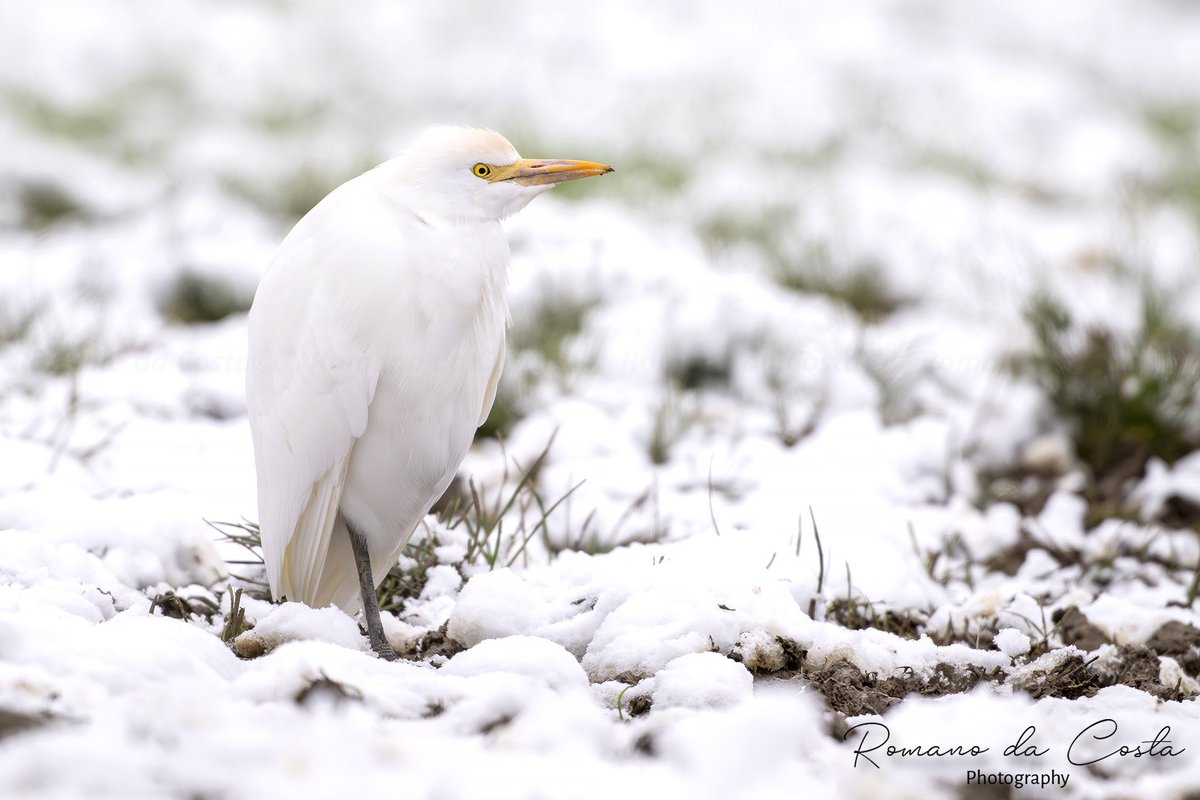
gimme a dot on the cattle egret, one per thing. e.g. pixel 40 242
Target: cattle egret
pixel 376 343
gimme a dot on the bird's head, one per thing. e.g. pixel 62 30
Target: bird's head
pixel 473 173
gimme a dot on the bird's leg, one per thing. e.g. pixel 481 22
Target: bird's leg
pixel 362 559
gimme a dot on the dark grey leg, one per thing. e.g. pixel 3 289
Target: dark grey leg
pixel 362 560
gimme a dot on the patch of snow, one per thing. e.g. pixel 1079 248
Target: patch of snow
pixel 520 655
pixel 701 680
pixel 1011 642
pixel 291 622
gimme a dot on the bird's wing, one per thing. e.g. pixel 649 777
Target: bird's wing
pixel 309 384
pixel 489 394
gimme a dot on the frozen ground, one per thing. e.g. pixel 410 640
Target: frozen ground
pixel 792 481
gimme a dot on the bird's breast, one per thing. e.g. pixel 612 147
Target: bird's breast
pixel 423 415
pixel 434 323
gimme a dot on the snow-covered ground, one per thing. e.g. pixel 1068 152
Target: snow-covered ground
pixel 789 471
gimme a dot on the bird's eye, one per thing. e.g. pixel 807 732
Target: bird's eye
pixel 481 170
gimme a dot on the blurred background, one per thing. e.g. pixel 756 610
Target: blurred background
pixel 879 350
pixel 858 254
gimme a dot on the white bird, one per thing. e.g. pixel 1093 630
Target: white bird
pixel 376 343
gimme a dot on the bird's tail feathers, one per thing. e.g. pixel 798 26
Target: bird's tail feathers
pixel 318 561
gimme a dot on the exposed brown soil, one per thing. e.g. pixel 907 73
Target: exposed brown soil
pixel 1075 629
pixel 1070 678
pixel 848 691
pixel 325 690
pixel 428 645
pixel 1180 641
pixel 172 605
pixel 13 722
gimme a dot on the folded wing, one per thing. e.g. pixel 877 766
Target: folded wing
pixel 309 385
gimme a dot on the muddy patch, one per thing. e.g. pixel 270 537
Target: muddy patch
pixel 1075 629
pixel 1181 642
pixel 1075 676
pixel 14 722
pixel 431 645
pixel 326 691
pixel 1069 678
pixel 849 691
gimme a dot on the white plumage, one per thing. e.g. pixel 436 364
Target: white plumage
pixel 376 343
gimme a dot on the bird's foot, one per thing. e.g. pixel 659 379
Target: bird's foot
pixel 379 644
pixel 383 648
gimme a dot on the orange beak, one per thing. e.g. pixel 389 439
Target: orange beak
pixel 539 171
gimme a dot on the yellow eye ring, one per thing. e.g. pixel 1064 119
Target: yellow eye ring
pixel 481 170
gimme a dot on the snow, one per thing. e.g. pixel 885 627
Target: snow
pixel 1011 642
pixel 520 655
pixel 1163 482
pixel 291 622
pixel 745 487
pixel 701 680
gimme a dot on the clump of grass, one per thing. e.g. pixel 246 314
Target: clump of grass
pixel 408 577
pixel 293 191
pixel 766 230
pixel 1175 124
pixel 856 611
pixel 956 164
pixel 483 518
pixel 194 297
pixel 494 530
pixel 796 408
pixel 1178 128
pixel 698 371
pixel 861 286
pixel 807 267
pixel 539 344
pixel 16 323
pixel 246 535
pixel 89 123
pixel 44 204
pixel 674 415
pixel 631 527
pixel 278 118
pixel 119 122
pixel 1125 399
pixel 648 175
pixel 548 325
pixel 235 622
pixel 66 357
pixel 291 196
pixel 170 604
